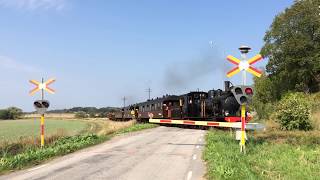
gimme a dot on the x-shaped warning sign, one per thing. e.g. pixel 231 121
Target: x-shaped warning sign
pixel 244 65
pixel 42 86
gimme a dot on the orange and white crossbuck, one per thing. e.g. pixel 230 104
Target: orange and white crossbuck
pixel 244 65
pixel 42 86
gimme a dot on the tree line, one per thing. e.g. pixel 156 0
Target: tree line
pixel 292 47
pixel 86 112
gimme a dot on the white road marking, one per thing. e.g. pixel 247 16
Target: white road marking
pixel 197 146
pixel 200 140
pixel 194 157
pixel 37 167
pixel 189 175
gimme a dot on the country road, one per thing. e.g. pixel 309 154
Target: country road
pixel 161 153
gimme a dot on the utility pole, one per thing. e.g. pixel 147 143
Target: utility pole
pixel 149 90
pixel 124 101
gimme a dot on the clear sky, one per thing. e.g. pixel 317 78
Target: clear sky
pixel 100 51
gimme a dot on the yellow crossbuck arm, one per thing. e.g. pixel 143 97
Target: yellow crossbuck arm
pixel 49 90
pixel 34 82
pixel 50 81
pixel 254 71
pixel 233 60
pixel 255 59
pixel 233 72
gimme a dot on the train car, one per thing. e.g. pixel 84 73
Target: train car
pixel 214 105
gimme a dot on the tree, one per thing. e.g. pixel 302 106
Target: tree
pixel 14 113
pixel 264 96
pixel 4 114
pixel 11 113
pixel 292 45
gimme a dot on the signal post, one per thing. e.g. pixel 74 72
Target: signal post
pixel 244 66
pixel 42 105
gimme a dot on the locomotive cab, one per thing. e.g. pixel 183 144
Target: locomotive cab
pixel 194 106
pixel 171 108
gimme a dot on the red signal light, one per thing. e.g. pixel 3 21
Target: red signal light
pixel 248 91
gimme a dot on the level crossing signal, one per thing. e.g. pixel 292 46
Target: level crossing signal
pixel 243 94
pixel 42 105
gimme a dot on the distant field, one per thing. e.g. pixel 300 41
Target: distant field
pixel 52 115
pixel 12 130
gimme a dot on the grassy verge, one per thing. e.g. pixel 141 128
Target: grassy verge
pixel 272 155
pixel 60 146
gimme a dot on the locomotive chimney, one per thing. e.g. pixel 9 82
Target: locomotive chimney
pixel 227 86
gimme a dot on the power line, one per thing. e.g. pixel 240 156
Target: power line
pixel 149 90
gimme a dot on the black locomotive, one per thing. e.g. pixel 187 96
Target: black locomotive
pixel 215 105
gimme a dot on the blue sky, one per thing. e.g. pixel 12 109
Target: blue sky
pixel 100 51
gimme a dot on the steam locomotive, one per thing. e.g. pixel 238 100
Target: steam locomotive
pixel 214 105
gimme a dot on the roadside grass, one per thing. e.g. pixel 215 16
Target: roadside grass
pixel 269 155
pixel 25 156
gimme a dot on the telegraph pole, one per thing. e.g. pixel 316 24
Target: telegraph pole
pixel 124 101
pixel 149 90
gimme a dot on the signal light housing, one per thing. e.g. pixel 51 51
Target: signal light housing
pixel 41 106
pixel 243 94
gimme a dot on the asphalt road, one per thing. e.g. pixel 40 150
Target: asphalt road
pixel 161 153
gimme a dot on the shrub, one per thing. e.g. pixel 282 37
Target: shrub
pixel 92 115
pixel 264 110
pixel 81 114
pixel 10 113
pixel 293 112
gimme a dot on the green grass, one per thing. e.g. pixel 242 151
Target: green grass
pixel 12 130
pixel 265 158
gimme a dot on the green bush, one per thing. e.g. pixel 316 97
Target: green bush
pixel 10 113
pixel 294 112
pixel 92 115
pixel 81 114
